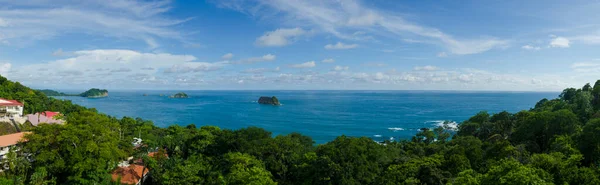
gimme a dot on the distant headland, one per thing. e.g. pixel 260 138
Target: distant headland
pixel 92 93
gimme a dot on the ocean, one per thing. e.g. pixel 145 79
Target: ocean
pixel 323 115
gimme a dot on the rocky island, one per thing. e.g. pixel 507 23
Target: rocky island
pixel 94 93
pixel 179 95
pixel 268 100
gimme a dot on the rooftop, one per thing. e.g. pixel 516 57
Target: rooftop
pixel 129 175
pixel 5 102
pixel 11 139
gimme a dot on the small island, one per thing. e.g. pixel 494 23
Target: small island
pixel 269 100
pixel 179 95
pixel 94 93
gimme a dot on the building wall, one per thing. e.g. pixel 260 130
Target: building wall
pixel 13 110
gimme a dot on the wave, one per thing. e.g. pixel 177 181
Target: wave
pixel 377 136
pixel 395 129
pixel 452 125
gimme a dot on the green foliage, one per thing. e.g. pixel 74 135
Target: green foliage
pixel 49 92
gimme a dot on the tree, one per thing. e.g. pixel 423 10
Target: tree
pixel 511 172
pixel 245 169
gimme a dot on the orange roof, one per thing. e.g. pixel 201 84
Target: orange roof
pixel 153 154
pixel 12 139
pixel 129 175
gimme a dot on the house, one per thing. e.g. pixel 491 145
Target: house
pixel 6 143
pixel 44 117
pixel 11 108
pixel 131 174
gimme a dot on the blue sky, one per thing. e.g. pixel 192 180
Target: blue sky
pixel 294 44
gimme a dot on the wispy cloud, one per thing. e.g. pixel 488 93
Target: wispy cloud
pixel 227 56
pixel 264 58
pixel 530 47
pixel 340 45
pixel 24 22
pixel 344 18
pixel 261 70
pixel 328 60
pixel 425 68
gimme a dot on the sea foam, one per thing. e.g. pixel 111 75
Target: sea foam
pixel 395 129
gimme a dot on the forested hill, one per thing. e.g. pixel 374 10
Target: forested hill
pixel 556 142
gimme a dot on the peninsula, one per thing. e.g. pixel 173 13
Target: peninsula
pixel 92 93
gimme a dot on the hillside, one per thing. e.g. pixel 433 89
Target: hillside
pixel 556 142
pixel 49 92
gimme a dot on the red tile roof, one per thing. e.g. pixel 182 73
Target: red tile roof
pixel 129 175
pixel 12 139
pixel 50 114
pixel 5 102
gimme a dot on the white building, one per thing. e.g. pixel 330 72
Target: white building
pixel 6 143
pixel 11 108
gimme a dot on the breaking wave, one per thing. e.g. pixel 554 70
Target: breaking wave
pixel 395 129
pixel 452 125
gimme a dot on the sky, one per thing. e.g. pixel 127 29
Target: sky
pixel 506 45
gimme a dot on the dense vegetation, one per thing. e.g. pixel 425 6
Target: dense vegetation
pixel 49 92
pixel 556 142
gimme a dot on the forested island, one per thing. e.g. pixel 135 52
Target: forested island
pixel 555 142
pixel 92 93
pixel 179 95
pixel 268 100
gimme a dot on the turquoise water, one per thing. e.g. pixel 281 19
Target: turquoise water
pixel 323 115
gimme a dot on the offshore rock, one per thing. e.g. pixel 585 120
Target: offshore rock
pixel 268 100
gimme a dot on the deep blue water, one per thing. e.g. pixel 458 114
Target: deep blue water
pixel 323 115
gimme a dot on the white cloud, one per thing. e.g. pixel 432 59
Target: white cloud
pixel 261 70
pixel 109 67
pixel 341 68
pixel 442 54
pixel 560 42
pixel 328 60
pixel 58 52
pixel 26 22
pixel 344 18
pixel 375 64
pixel 264 58
pixel 588 39
pixel 340 45
pixel 586 67
pixel 189 67
pixel 280 37
pixel 308 64
pixel 530 47
pixel 3 23
pixel 227 56
pixel 5 68
pixel 425 68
